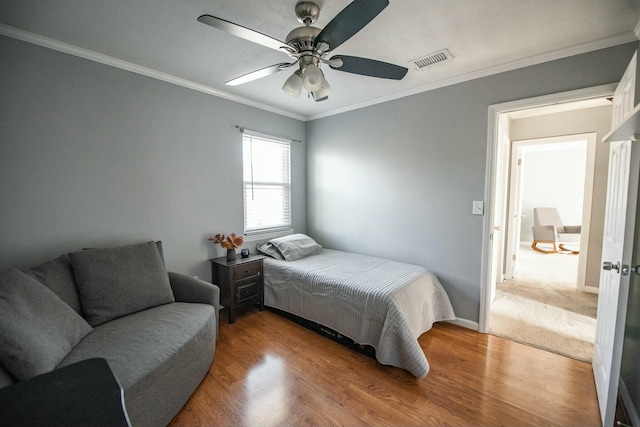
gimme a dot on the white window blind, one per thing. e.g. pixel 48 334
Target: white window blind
pixel 267 182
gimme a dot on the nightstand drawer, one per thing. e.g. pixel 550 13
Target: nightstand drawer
pixel 244 271
pixel 241 283
pixel 246 290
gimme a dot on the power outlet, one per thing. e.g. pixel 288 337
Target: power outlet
pixel 478 207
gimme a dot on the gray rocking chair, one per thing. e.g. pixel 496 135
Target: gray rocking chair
pixel 548 228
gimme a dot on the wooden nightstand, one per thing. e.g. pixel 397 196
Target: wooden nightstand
pixel 240 282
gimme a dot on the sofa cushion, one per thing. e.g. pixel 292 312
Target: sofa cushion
pixel 114 282
pixel 58 276
pixel 159 356
pixel 37 329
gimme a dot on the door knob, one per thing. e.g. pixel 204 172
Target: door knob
pixel 608 266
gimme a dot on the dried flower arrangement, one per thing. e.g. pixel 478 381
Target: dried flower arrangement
pixel 232 241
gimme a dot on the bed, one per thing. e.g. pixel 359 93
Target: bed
pixel 375 302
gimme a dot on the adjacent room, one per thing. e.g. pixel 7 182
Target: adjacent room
pixel 301 212
pixel 547 296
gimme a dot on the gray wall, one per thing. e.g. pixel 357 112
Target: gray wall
pixel 91 155
pixel 398 179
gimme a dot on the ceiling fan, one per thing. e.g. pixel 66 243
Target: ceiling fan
pixel 309 47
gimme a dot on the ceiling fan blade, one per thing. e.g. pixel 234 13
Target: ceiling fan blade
pixel 349 21
pixel 242 32
pixel 369 67
pixel 258 74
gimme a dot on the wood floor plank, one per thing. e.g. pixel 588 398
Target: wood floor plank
pixel 268 371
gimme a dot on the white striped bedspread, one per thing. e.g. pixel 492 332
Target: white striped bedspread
pixel 373 301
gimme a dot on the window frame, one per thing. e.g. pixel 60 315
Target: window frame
pixel 249 137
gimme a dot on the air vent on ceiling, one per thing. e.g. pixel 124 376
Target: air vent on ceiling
pixel 432 59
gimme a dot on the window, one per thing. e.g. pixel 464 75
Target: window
pixel 266 169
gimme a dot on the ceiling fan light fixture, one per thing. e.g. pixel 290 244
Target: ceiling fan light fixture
pixel 324 91
pixel 312 78
pixel 308 46
pixel 293 85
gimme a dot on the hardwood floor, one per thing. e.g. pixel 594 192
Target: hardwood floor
pixel 268 371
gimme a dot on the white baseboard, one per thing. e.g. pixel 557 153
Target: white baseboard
pixel 465 323
pixel 591 289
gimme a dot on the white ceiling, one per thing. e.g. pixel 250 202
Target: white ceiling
pixel 163 38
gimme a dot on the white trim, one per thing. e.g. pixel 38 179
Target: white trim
pixel 591 290
pixel 586 211
pixel 486 266
pixel 510 66
pixel 492 140
pixel 514 200
pixel 464 323
pixel 70 49
pixel 519 150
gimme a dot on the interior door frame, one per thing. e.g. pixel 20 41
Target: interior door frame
pixel 500 216
pixel 518 154
pixel 515 209
pixel 491 174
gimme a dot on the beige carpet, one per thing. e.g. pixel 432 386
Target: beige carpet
pixel 541 306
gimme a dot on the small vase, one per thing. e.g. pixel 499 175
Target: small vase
pixel 231 254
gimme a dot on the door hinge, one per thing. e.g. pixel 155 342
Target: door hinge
pixel 513 257
pixel 519 162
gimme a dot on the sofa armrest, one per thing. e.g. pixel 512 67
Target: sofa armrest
pixel 573 229
pixel 189 289
pixel 545 232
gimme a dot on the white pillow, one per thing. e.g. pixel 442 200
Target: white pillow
pixel 269 250
pixel 296 246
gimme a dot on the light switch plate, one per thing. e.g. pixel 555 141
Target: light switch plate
pixel 478 207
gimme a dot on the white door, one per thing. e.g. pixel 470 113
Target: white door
pixel 622 189
pixel 614 279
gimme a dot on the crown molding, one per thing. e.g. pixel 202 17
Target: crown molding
pixel 70 49
pixel 510 66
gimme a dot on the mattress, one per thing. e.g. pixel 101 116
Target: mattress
pixel 374 301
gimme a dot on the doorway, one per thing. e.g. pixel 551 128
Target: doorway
pixel 507 229
pixel 542 302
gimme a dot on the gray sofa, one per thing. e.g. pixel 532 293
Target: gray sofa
pixel 156 329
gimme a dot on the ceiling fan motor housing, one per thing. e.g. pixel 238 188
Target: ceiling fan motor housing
pixel 302 38
pixel 309 47
pixel 307 12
